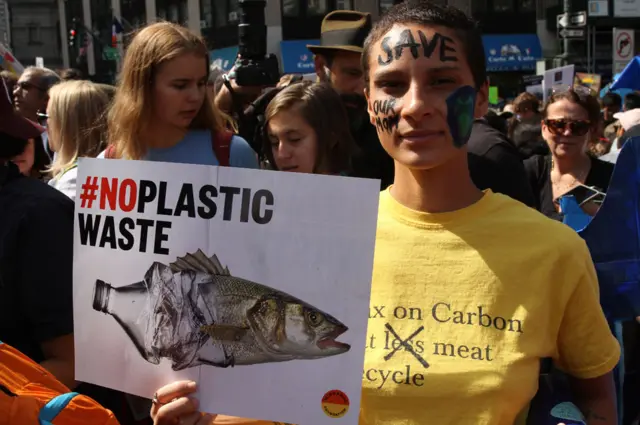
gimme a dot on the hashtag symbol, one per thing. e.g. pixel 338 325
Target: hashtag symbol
pixel 89 192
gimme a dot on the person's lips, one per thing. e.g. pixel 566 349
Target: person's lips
pixel 189 114
pixel 421 136
pixel 289 168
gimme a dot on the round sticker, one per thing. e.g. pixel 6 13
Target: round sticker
pixel 335 404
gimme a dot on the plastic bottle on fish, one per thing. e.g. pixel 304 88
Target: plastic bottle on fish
pixel 158 319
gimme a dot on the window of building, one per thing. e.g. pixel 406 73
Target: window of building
pixel 206 13
pixel 527 5
pixel 174 14
pixel 290 8
pixel 34 34
pixel 184 13
pixel 503 5
pixel 385 5
pixel 317 7
pixel 344 4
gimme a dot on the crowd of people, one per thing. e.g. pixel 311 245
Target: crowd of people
pixel 464 195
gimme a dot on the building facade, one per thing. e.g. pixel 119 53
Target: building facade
pixel 517 33
pixel 33 31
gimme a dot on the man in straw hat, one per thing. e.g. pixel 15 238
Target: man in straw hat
pixel 338 62
pixel 36 255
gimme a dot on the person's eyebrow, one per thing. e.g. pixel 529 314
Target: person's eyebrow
pixel 387 73
pixel 352 69
pixel 394 73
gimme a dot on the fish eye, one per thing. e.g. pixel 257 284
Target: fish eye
pixel 314 318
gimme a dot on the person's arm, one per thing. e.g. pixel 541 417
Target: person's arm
pixel 46 272
pixel 242 155
pixel 587 350
pixel 60 359
pixel 596 398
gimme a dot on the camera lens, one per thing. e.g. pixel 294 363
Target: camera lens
pixel 252 30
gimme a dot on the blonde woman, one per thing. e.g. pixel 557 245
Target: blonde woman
pixel 162 109
pixel 76 116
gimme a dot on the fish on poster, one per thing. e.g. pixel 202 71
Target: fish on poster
pixel 243 322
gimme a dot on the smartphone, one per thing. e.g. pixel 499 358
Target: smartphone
pixel 584 194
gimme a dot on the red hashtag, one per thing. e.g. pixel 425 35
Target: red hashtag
pixel 89 192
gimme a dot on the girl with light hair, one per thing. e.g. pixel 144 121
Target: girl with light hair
pixel 76 120
pixel 162 110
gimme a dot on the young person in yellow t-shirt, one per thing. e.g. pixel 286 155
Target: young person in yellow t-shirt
pixel 470 289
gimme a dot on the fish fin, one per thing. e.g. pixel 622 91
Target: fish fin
pixel 224 332
pixel 199 262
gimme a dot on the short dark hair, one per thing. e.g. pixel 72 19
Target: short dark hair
pixel 322 108
pixel 612 99
pixel 427 13
pixel 631 101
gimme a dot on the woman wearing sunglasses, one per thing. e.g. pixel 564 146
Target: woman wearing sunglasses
pixel 570 117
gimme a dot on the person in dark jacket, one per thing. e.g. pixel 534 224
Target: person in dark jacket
pixel 495 163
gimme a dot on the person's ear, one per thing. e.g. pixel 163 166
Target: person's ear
pixel 482 101
pixel 320 64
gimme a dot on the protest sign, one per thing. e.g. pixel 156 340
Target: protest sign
pixel 253 283
pixel 557 77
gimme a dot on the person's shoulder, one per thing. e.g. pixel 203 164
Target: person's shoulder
pixel 239 142
pixel 39 198
pixel 486 140
pixel 242 154
pixel 534 162
pixel 602 165
pixel 534 227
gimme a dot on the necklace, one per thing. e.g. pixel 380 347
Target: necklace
pixel 559 188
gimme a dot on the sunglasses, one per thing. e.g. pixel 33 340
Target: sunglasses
pixel 42 118
pixel 575 127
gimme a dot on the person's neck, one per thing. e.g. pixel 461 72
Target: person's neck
pixel 441 189
pixel 33 116
pixel 570 165
pixel 164 136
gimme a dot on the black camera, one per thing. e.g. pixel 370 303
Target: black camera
pixel 254 67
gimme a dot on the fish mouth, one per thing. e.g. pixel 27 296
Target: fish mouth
pixel 329 340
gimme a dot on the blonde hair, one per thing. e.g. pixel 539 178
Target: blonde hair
pixel 77 115
pixel 131 111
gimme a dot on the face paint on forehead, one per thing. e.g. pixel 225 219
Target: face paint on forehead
pixel 461 105
pixel 426 47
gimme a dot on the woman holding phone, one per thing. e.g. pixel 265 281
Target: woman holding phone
pixel 570 117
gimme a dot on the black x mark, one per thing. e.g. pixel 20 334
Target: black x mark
pixel 405 343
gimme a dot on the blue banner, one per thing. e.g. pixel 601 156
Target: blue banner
pixel 296 58
pixel 515 52
pixel 224 58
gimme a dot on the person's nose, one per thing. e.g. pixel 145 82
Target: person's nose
pixel 196 93
pixel 17 90
pixel 416 105
pixel 566 131
pixel 283 151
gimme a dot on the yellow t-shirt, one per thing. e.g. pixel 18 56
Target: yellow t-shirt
pixel 465 304
pixel 463 307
